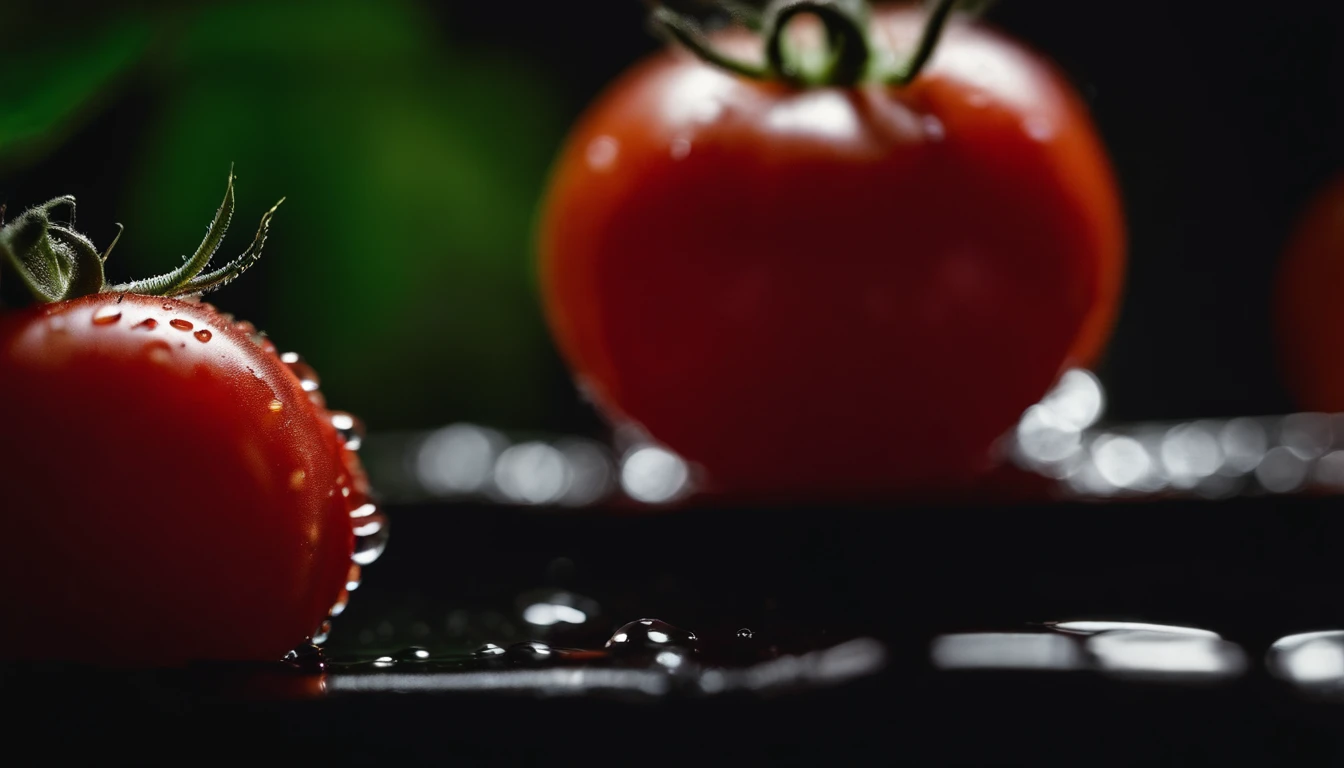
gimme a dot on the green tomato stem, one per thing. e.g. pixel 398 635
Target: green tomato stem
pixel 848 59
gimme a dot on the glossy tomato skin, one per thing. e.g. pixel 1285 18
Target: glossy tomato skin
pixel 1308 306
pixel 833 290
pixel 170 492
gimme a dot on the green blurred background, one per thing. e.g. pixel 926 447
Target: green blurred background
pixel 412 150
pixel 412 140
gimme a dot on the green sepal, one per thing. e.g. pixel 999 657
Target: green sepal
pixel 56 263
pixel 52 260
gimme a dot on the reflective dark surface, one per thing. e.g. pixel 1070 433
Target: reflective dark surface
pixel 921 634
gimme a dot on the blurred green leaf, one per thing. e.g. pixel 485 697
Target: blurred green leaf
pixel 400 265
pixel 46 91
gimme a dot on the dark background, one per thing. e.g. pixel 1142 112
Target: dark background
pixel 413 139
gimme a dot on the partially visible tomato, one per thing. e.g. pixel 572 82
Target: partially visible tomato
pixel 170 489
pixel 832 289
pixel 1310 304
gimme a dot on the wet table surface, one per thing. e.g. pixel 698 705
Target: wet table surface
pixel 1153 631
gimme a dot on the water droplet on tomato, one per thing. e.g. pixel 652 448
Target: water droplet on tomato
pixel 296 479
pixel 601 153
pixel 106 316
pixel 275 406
pixel 413 654
pixel 159 352
pixel 202 335
pixel 680 149
pixel 933 128
pixel 180 324
pixel 322 633
pixel 304 372
pixel 147 324
pixel 352 577
pixel 371 533
pixel 350 428
pixel 338 607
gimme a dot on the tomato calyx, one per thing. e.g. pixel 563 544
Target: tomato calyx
pixel 848 57
pixel 54 262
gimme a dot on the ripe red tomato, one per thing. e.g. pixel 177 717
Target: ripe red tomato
pixel 171 490
pixel 1309 311
pixel 833 289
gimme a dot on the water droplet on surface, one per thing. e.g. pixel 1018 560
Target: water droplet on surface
pixel 275 406
pixel 1281 470
pixel 304 372
pixel 369 548
pixel 654 475
pixel 353 577
pixel 106 316
pixel 413 654
pixel 306 656
pixel 558 613
pixel 531 652
pixel 489 651
pixel 681 149
pixel 457 459
pixel 180 324
pixel 296 479
pixel 1312 660
pixel 1244 444
pixel 745 634
pixel 349 427
pixel 1086 627
pixel 1007 650
pixel 148 324
pixel 653 635
pixel 202 335
pixel 1166 655
pixel 532 473
pixel 383 662
pixel 592 472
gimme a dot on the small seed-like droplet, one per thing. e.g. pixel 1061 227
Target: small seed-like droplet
pixel 180 324
pixel 148 324
pixel 276 406
pixel 106 316
pixel 202 335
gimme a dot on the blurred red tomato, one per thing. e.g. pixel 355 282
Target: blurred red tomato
pixel 833 289
pixel 1310 304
